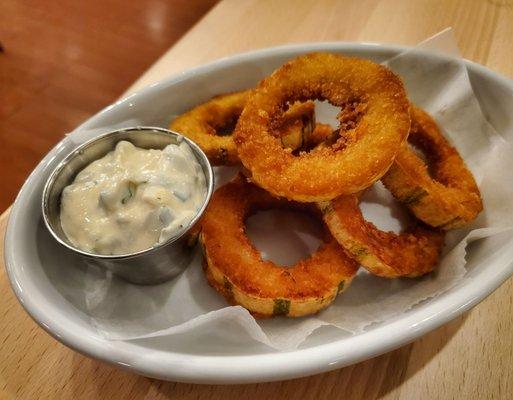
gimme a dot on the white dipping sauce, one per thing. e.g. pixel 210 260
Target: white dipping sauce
pixel 132 199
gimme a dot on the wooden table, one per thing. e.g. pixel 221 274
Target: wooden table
pixel 471 357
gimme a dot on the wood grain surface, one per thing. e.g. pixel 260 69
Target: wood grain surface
pixel 469 358
pixel 64 60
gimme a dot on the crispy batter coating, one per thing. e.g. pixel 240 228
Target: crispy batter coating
pixel 210 125
pixel 411 253
pixel 297 125
pixel 374 96
pixel 236 269
pixel 319 134
pixel 203 123
pixel 444 194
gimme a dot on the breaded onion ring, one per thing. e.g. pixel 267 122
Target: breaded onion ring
pixel 236 269
pixel 210 125
pixel 411 253
pixel 445 195
pixel 361 155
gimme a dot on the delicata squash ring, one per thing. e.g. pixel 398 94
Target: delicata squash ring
pixel 448 197
pixel 234 267
pixel 411 253
pixel 360 156
pixel 210 125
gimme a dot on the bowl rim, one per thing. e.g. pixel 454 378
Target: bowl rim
pixel 73 153
pixel 269 366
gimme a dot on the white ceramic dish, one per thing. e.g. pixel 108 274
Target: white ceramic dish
pixel 37 269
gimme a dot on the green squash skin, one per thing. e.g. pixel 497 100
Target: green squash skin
pixel 281 307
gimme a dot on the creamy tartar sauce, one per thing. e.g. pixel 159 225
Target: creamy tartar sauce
pixel 132 198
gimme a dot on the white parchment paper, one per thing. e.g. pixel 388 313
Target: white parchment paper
pixel 122 311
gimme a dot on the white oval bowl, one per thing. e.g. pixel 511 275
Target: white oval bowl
pixel 32 269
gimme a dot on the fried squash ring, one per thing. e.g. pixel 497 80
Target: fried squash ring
pixel 411 253
pixel 210 125
pixel 235 268
pixel 362 155
pixel 448 197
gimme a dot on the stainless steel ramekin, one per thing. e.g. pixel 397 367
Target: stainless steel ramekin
pixel 156 264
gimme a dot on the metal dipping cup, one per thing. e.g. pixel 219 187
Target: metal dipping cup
pixel 154 265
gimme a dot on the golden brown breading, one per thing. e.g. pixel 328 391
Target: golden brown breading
pixel 202 123
pixel 411 253
pixel 320 133
pixel 210 125
pixel 372 94
pixel 236 269
pixel 448 197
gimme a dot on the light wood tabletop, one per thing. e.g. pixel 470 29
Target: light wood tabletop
pixel 471 357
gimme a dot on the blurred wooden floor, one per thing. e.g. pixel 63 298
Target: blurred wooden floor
pixel 65 60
